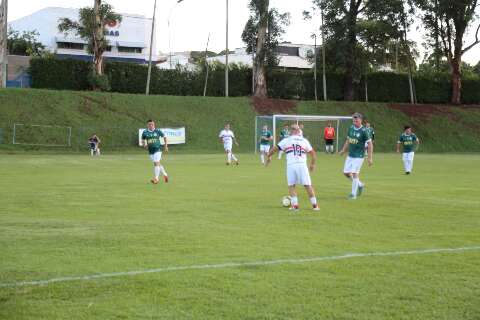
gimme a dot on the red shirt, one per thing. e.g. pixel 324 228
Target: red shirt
pixel 329 133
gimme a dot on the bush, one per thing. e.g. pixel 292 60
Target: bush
pixel 69 74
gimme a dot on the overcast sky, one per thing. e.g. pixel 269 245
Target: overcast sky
pixel 192 20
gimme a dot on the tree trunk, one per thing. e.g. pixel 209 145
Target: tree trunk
pixel 260 72
pixel 98 40
pixel 348 94
pixel 456 80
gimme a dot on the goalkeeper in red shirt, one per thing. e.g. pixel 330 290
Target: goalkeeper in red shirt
pixel 329 136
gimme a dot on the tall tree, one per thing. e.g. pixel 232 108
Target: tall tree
pixel 91 28
pixel 448 21
pixel 261 34
pixel 346 20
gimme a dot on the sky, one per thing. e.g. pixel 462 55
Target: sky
pixel 192 20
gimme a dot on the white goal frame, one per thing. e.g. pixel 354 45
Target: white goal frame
pixel 297 118
pixel 14 135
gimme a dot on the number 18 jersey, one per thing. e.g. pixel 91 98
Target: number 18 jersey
pixel 296 149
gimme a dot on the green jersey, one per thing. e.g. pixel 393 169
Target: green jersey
pixel 284 134
pixel 408 142
pixel 153 140
pixel 371 132
pixel 357 137
pixel 265 137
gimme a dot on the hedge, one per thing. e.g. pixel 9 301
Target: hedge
pixel 70 74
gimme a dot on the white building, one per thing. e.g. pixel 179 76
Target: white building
pixel 177 59
pixel 291 56
pixel 129 40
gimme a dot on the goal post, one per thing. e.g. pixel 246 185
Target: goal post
pixel 41 135
pixel 313 127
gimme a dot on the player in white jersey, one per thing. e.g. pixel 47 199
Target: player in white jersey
pixel 228 138
pixel 296 148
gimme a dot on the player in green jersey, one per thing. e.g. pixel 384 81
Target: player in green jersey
pixel 265 138
pixel 408 140
pixel 371 132
pixel 151 141
pixel 284 133
pixel 357 137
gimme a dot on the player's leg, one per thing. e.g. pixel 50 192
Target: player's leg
pixel 327 148
pixel 280 152
pixel 228 152
pixel 410 161
pixel 405 162
pixel 98 151
pixel 292 181
pixel 262 154
pixel 307 183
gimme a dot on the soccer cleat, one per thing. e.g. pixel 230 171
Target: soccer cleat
pixel 154 180
pixel 315 207
pixel 165 178
pixel 237 163
pixel 293 208
pixel 407 173
pixel 352 197
pixel 360 190
pixel 228 163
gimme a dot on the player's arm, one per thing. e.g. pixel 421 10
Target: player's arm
pixel 370 152
pixel 165 146
pixel 399 142
pixel 270 154
pixel 344 148
pixel 144 143
pixel 313 159
pixel 235 141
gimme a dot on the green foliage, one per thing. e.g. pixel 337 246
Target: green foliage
pixel 85 27
pixel 25 44
pixel 131 78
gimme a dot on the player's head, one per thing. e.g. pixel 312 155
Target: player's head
pixel 150 124
pixel 407 129
pixel 227 126
pixel 286 125
pixel 295 129
pixel 367 124
pixel 357 119
pixel 329 125
pixel 265 127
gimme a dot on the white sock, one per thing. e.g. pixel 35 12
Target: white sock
pixel 355 182
pixel 327 149
pixel 156 170
pixel 280 154
pixel 313 201
pixel 98 152
pixel 360 183
pixel 331 149
pixel 262 157
pixel 162 170
pixel 411 165
pixel 91 152
pixel 233 157
pixel 405 165
pixel 229 157
pixel 294 201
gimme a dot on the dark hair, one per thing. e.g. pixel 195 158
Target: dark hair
pixel 149 120
pixel 406 127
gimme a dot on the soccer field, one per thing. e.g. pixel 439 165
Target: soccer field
pixel 91 238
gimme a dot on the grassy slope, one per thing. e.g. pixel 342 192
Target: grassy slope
pixel 81 216
pixel 89 112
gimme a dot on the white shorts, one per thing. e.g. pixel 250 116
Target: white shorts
pixel 353 165
pixel 156 157
pixel 227 147
pixel 265 148
pixel 298 174
pixel 408 156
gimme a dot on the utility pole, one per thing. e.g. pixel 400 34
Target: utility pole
pixel 149 74
pixel 410 79
pixel 315 67
pixel 206 67
pixel 3 42
pixel 226 53
pixel 323 63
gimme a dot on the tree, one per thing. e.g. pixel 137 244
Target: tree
pixel 348 23
pixel 448 21
pixel 25 44
pixel 91 28
pixel 261 35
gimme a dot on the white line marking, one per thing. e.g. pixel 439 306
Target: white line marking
pixel 237 264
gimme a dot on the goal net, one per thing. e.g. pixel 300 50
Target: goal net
pixel 42 135
pixel 313 128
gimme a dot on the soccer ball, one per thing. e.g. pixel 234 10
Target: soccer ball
pixel 286 201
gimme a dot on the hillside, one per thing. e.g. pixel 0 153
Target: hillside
pixel 116 118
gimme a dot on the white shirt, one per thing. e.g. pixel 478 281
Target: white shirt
pixel 296 149
pixel 227 136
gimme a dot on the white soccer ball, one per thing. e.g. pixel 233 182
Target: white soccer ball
pixel 286 201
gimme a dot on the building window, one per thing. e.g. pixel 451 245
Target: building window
pixel 129 50
pixel 288 51
pixel 70 45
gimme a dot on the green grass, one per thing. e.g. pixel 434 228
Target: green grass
pixel 116 117
pixel 70 215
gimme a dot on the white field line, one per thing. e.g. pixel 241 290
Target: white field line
pixel 238 264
